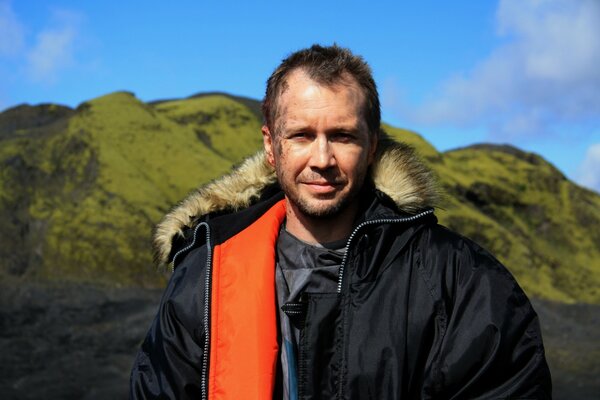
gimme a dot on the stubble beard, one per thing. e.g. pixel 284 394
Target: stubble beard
pixel 307 207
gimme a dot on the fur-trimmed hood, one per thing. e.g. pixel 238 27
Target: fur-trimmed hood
pixel 397 172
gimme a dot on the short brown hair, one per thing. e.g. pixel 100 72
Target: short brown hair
pixel 327 66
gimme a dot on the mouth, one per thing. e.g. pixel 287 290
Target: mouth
pixel 322 186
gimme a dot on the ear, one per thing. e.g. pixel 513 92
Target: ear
pixel 268 145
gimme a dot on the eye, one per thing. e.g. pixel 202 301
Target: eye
pixel 343 137
pixel 299 136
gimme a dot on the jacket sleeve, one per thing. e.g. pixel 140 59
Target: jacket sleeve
pixel 169 363
pixel 492 346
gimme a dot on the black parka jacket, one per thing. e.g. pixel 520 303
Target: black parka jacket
pixel 420 313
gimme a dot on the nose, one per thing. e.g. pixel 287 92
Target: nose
pixel 322 155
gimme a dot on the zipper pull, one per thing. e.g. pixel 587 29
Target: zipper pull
pixel 296 312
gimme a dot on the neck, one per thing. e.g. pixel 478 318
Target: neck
pixel 320 229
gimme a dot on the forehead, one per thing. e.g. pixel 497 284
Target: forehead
pixel 305 97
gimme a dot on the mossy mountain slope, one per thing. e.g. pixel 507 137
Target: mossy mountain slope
pixel 80 196
pixel 545 228
pixel 81 190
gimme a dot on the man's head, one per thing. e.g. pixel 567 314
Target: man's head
pixel 326 66
pixel 320 130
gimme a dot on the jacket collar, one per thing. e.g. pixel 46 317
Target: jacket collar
pixel 397 172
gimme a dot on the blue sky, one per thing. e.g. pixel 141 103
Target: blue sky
pixel 523 72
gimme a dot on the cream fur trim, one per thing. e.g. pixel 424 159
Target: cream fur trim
pixel 234 191
pixel 397 172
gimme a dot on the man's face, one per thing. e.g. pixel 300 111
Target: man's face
pixel 321 149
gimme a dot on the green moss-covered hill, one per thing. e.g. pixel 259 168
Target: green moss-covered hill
pixel 81 190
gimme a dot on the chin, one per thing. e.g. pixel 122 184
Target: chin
pixel 322 206
pixel 324 209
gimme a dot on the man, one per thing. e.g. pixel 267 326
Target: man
pixel 317 270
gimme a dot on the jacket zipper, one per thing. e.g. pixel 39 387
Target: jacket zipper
pixel 206 320
pixel 373 222
pixel 206 317
pixel 189 246
pixel 345 260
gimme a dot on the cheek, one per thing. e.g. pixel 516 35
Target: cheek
pixel 354 162
pixel 290 158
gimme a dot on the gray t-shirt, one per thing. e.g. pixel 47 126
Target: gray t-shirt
pixel 301 268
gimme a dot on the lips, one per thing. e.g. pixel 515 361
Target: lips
pixel 322 186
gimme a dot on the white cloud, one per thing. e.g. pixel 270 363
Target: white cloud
pixel 589 170
pixel 12 34
pixel 546 73
pixel 54 48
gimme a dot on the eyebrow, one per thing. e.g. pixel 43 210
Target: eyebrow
pixel 350 126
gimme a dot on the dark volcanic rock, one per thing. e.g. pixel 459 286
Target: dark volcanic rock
pixel 571 333
pixel 70 342
pixel 79 341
